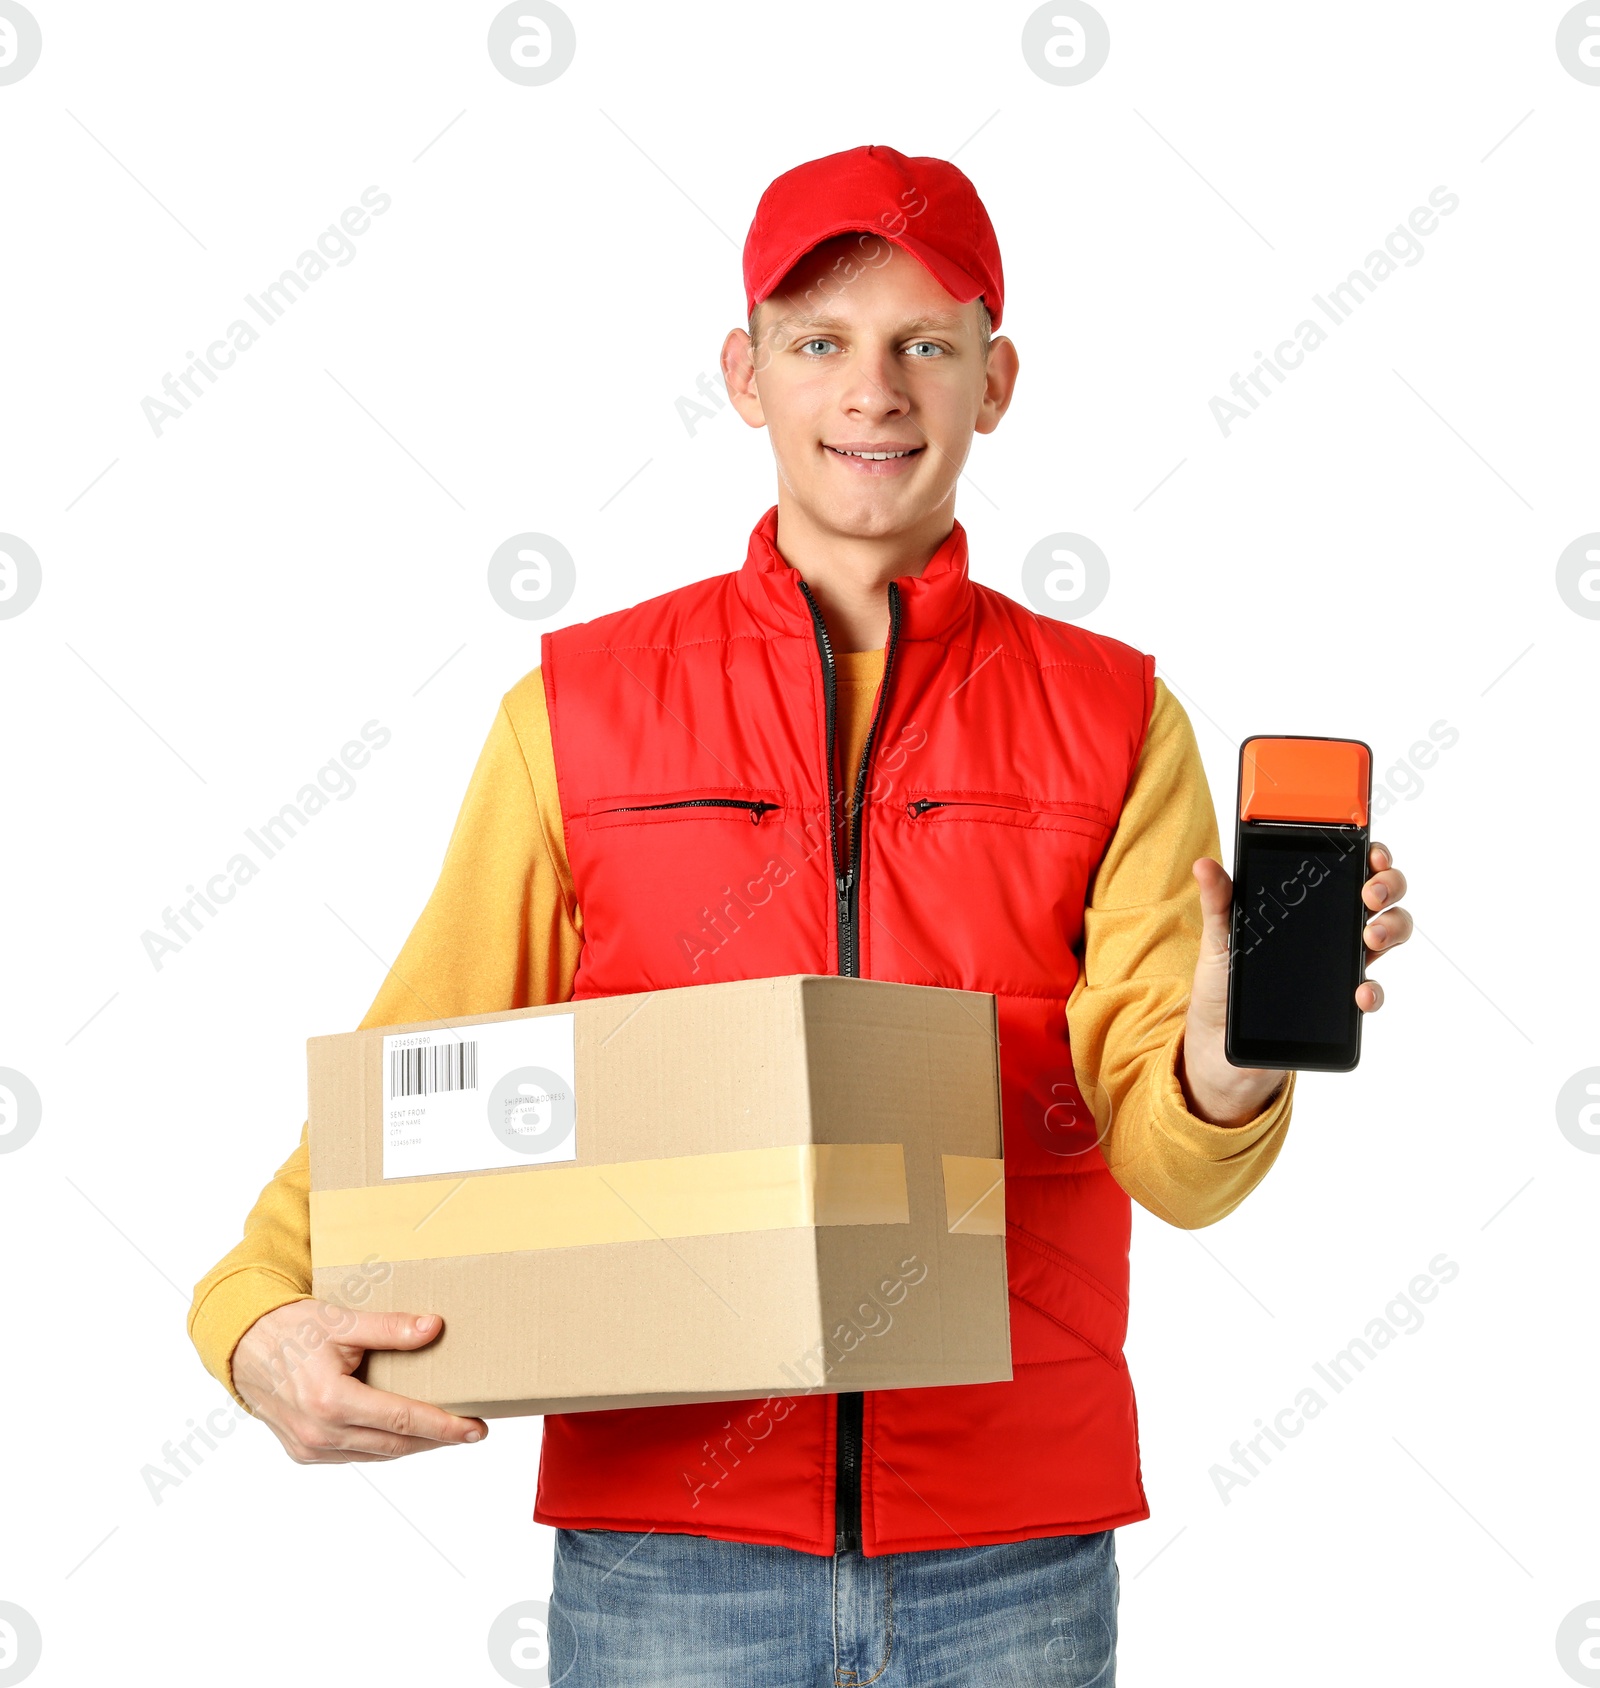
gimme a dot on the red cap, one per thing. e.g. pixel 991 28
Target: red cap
pixel 925 205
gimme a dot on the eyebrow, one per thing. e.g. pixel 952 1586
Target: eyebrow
pixel 800 319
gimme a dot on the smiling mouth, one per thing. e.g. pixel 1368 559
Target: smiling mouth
pixel 875 456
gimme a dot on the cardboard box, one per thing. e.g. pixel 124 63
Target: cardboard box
pixel 730 1191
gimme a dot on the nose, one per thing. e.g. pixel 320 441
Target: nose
pixel 873 386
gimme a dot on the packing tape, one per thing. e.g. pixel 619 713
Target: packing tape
pixel 625 1201
pixel 975 1195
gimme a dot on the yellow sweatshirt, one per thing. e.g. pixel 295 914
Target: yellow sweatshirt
pixel 503 930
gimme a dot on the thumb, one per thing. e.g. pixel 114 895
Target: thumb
pixel 1216 898
pixel 388 1330
pixel 1216 914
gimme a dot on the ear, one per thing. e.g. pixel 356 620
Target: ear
pixel 739 373
pixel 1000 382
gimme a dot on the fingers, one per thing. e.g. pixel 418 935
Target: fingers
pixel 1384 888
pixel 376 1409
pixel 339 1415
pixel 1386 933
pixel 1369 996
pixel 383 1444
pixel 294 1366
pixel 1382 891
pixel 389 1330
pixel 349 1444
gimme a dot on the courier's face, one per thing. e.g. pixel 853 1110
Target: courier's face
pixel 861 353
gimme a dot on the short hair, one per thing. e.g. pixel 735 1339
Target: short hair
pixel 985 323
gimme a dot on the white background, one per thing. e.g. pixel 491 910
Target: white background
pixel 1372 552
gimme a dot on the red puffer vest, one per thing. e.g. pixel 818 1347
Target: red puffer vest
pixel 1002 746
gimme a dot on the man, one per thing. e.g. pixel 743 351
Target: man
pixel 844 756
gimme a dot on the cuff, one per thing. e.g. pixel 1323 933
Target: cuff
pixel 230 1307
pixel 1198 1137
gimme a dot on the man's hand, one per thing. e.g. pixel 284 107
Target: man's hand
pixel 1228 1095
pixel 293 1366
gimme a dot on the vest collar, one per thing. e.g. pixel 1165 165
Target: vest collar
pixel 931 604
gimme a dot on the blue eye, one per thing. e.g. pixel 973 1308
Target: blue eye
pixel 915 343
pixel 806 345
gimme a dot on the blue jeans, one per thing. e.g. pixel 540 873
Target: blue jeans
pixel 637 1610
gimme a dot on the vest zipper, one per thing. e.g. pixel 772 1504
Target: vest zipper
pixel 850 1406
pixel 757 810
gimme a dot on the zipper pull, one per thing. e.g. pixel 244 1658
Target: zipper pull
pixel 844 887
pixel 917 805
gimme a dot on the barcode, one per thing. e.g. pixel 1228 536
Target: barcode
pixel 440 1066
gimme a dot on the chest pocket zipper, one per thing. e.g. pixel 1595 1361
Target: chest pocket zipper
pixel 755 807
pixel 921 805
pixel 1045 815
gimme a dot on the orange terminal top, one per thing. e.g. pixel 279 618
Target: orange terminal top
pixel 1305 779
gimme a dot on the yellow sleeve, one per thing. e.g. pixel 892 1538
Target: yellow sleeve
pixel 1126 1012
pixel 501 930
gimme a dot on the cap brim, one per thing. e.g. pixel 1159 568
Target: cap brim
pixel 951 277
